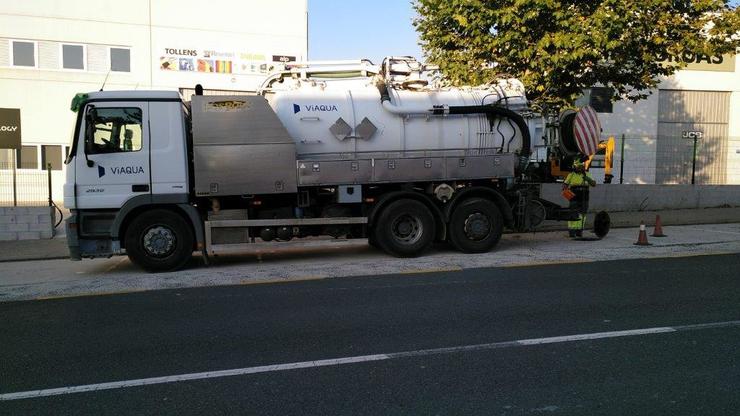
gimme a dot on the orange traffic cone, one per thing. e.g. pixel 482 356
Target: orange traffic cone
pixel 658 230
pixel 642 238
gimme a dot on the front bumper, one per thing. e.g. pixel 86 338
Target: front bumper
pixel 88 246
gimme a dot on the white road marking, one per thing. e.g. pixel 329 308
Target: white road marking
pixel 357 359
pixel 597 335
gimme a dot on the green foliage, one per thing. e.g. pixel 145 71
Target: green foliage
pixel 559 47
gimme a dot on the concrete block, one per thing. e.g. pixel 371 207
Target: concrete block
pixel 27 219
pixel 8 236
pixel 7 219
pixel 29 235
pixel 39 210
pixel 46 234
pixel 18 227
pixel 39 227
pixel 4 227
pixel 44 218
pixel 16 210
pixel 718 196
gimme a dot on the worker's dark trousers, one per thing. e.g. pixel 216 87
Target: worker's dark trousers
pixel 579 203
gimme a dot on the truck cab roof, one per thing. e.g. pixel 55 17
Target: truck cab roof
pixel 143 95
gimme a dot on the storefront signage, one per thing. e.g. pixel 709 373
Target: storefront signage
pixel 181 52
pixel 692 134
pixel 701 62
pixel 10 128
pixel 218 61
pixel 283 58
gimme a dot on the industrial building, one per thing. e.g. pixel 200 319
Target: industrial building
pixel 50 50
pixel 702 100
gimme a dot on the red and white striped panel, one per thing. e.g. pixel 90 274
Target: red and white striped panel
pixel 587 130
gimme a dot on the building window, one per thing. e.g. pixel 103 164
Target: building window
pixel 24 53
pixel 51 155
pixel 116 130
pixel 601 99
pixel 28 157
pixel 73 56
pixel 120 59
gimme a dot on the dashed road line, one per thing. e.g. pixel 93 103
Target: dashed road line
pixel 358 359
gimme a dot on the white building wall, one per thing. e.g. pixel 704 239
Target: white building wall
pixel 239 31
pixel 638 122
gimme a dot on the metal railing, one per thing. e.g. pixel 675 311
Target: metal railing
pixel 25 187
pixel 704 160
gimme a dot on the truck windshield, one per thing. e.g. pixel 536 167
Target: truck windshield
pixel 116 130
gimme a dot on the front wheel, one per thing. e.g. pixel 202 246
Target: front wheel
pixel 405 228
pixel 159 241
pixel 476 226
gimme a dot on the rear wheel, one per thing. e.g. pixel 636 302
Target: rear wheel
pixel 475 226
pixel 405 228
pixel 159 240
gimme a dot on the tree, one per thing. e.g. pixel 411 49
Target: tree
pixel 559 47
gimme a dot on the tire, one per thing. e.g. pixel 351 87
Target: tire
pixel 405 228
pixel 159 241
pixel 476 226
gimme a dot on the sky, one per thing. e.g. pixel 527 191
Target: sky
pixel 354 29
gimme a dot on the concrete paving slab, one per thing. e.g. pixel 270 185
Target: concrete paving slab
pixel 343 258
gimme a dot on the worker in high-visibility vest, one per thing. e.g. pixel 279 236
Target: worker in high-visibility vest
pixel 578 182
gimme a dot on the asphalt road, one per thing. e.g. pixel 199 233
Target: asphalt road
pixel 668 370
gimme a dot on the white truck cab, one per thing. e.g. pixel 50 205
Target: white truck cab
pixel 120 161
pixel 125 156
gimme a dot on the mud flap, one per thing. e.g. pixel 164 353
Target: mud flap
pixel 602 224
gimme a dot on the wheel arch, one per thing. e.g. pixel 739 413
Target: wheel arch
pixel 481 192
pixel 178 204
pixel 385 200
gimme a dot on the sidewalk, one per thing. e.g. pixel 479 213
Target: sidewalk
pixel 25 250
pixel 56 248
pixel 293 261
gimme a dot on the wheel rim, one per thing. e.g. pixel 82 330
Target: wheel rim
pixel 477 226
pixel 407 229
pixel 159 241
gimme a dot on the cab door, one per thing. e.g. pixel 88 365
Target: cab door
pixel 112 165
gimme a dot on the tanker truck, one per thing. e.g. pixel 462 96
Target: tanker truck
pixel 342 149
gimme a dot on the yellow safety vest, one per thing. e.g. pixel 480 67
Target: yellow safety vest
pixel 577 179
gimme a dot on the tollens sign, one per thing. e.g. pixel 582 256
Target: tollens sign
pixel 702 62
pixel 10 128
pixel 181 52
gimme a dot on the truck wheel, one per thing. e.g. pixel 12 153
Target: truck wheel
pixel 476 226
pixel 159 241
pixel 405 228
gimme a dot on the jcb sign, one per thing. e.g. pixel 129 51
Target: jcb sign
pixel 10 128
pixel 692 135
